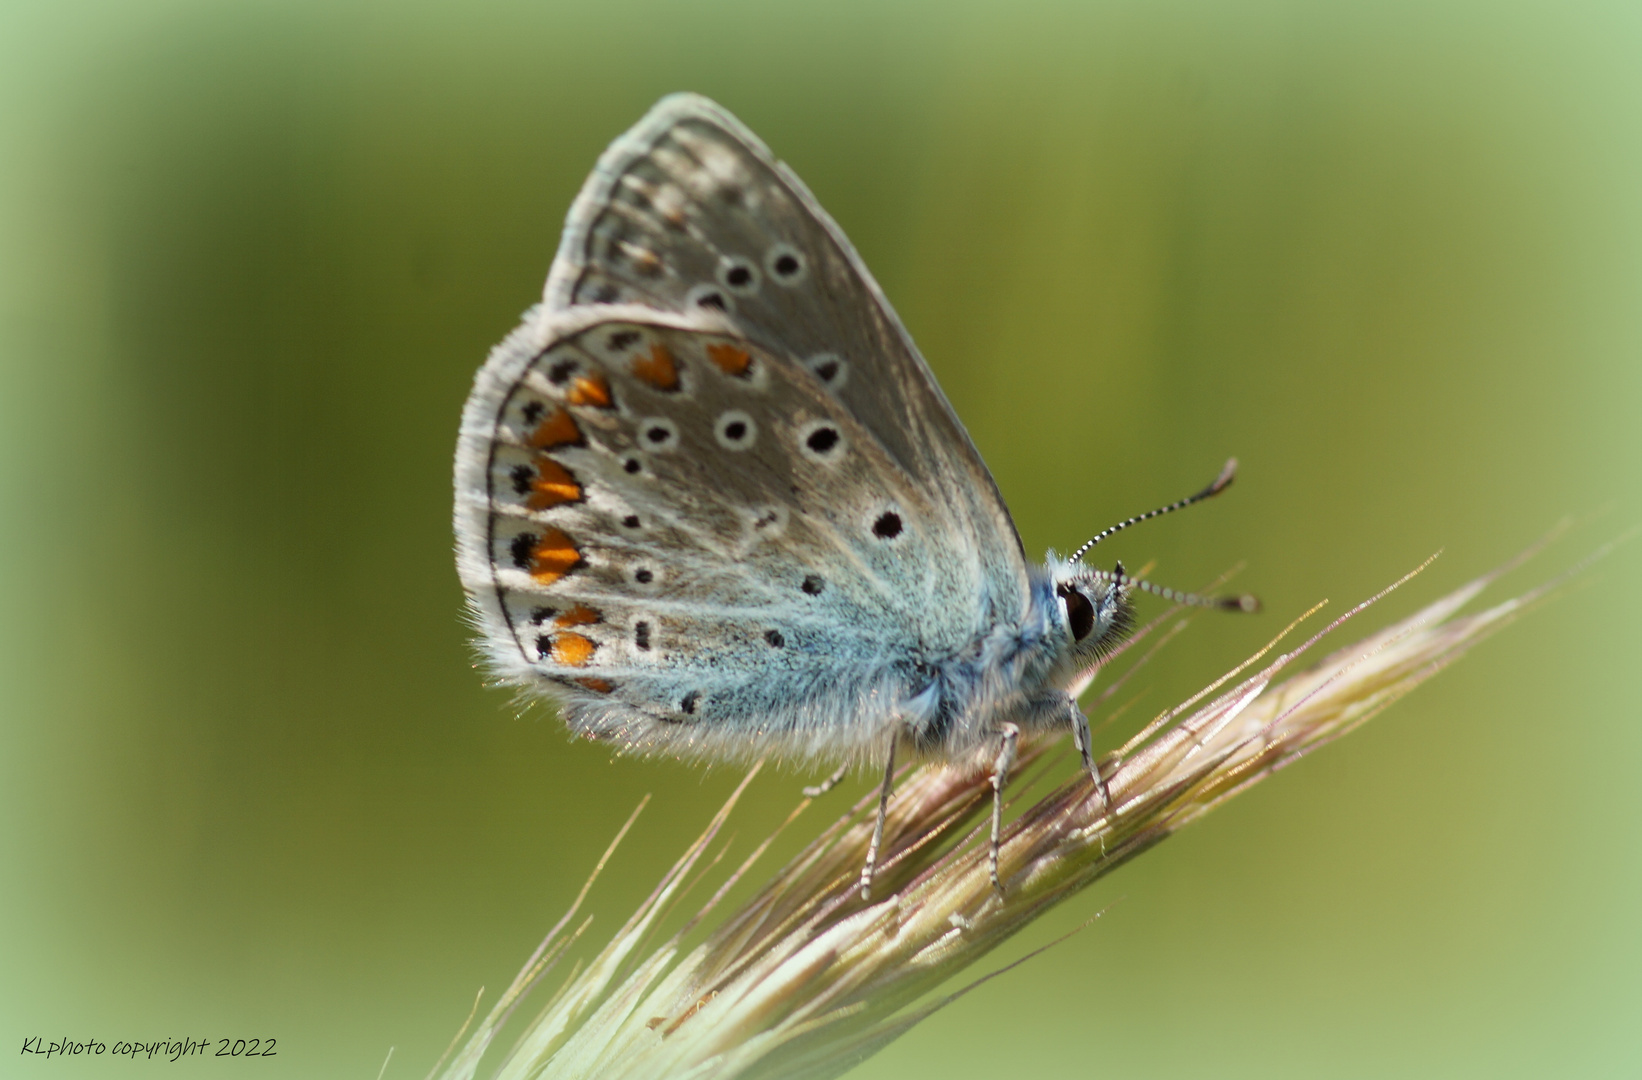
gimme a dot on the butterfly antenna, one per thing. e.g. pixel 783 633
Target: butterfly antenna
pixel 1243 602
pixel 1221 483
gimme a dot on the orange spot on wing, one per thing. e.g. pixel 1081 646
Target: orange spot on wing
pixel 558 429
pixel 589 390
pixel 572 650
pixel 553 485
pixel 601 686
pixel 730 359
pixel 553 557
pixel 658 369
pixel 580 615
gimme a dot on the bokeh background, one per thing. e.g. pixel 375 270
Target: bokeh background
pixel 1389 254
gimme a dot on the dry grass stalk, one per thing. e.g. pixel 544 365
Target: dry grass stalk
pixel 805 980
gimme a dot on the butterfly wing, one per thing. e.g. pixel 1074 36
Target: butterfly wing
pixel 690 210
pixel 708 496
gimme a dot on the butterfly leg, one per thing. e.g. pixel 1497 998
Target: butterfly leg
pixel 878 829
pixel 828 784
pixel 1081 739
pixel 1000 777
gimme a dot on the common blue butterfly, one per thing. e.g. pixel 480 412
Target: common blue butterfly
pixel 711 501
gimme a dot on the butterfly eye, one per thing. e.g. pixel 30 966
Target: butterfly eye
pixel 1080 613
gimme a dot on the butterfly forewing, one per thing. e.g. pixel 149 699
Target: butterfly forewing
pixel 689 210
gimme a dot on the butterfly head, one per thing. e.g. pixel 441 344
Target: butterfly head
pixel 1091 614
pixel 1092 609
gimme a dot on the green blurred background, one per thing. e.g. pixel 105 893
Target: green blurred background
pixel 1389 254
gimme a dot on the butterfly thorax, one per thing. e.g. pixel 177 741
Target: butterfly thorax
pixel 1017 672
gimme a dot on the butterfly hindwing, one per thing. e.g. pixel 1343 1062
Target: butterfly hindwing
pixel 689 541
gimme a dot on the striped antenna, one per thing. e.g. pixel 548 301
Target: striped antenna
pixel 1221 483
pixel 1243 602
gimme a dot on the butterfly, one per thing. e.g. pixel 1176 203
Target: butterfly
pixel 711 501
